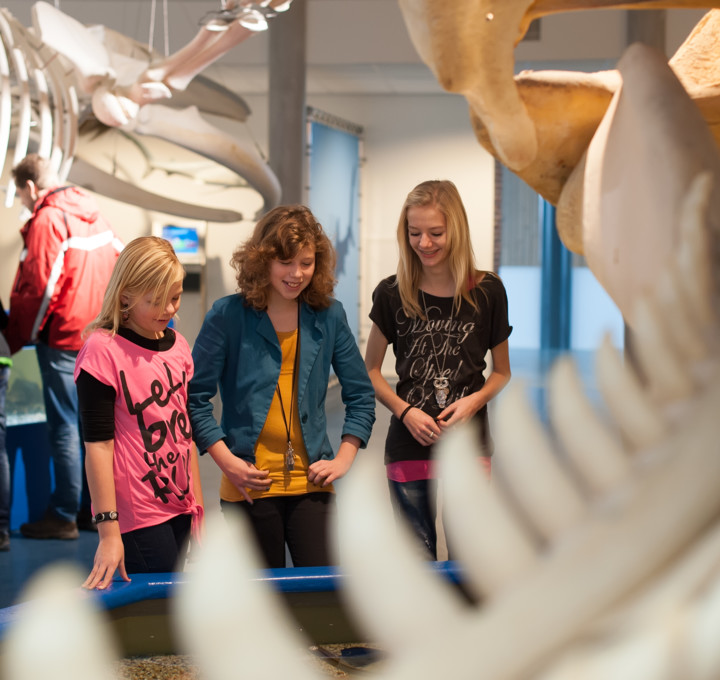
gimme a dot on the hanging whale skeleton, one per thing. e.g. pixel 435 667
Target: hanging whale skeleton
pixel 595 552
pixel 59 73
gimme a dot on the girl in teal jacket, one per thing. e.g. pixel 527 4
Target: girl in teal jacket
pixel 269 349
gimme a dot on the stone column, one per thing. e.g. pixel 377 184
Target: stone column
pixel 287 36
pixel 647 26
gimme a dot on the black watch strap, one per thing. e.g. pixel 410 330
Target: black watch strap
pixel 105 516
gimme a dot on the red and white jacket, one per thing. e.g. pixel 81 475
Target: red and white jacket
pixel 70 251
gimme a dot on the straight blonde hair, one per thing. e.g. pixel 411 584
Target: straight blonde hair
pixel 146 265
pixel 443 195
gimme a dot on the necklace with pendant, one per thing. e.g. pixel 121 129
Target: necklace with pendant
pixel 290 451
pixel 441 383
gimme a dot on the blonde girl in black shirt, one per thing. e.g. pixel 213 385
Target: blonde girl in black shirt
pixel 442 316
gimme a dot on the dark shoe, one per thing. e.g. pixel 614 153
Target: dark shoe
pixel 84 520
pixel 4 541
pixel 50 526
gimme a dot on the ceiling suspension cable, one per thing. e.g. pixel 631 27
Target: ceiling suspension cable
pixel 151 36
pixel 166 28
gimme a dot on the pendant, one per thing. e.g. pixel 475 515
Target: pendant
pixel 290 457
pixel 442 389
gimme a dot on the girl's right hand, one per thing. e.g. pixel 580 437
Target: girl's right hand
pixel 109 556
pixel 246 476
pixel 422 426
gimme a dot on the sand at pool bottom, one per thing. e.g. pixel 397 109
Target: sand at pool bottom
pixel 336 660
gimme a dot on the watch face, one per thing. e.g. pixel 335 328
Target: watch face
pixel 104 516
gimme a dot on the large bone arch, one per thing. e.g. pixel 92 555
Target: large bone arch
pixel 469 45
pixel 543 125
pixel 539 123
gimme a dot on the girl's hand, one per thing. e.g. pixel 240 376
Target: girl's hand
pixel 459 411
pixel 246 476
pixel 422 426
pixel 110 555
pixel 323 472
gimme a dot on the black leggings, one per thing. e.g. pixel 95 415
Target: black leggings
pixel 300 521
pixel 157 549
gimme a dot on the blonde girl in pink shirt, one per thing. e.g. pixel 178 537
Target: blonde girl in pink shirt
pixel 132 375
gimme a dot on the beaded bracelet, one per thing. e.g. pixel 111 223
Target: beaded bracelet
pixel 404 413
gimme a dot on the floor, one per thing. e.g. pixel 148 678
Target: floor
pixel 27 556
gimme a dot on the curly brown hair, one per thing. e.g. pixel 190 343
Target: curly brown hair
pixel 280 235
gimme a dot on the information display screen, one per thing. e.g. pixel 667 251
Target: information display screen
pixel 184 240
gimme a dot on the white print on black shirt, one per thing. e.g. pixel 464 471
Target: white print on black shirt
pixel 154 436
pixel 433 351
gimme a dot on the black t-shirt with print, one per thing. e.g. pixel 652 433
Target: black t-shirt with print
pixel 449 343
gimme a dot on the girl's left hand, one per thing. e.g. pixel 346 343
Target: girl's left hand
pixel 324 472
pixel 459 411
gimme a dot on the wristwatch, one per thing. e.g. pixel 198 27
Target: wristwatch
pixel 105 516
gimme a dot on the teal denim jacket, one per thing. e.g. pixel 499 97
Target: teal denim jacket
pixel 238 351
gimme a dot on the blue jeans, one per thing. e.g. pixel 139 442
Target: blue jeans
pixel 415 502
pixel 61 410
pixel 4 460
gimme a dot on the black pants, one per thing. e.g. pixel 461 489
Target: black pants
pixel 157 549
pixel 416 502
pixel 301 522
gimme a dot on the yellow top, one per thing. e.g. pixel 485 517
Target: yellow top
pixel 271 445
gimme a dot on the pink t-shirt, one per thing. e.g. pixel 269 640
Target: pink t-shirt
pixel 151 459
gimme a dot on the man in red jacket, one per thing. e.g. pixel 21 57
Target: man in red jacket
pixel 69 254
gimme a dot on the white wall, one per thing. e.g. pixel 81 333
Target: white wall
pixel 407 139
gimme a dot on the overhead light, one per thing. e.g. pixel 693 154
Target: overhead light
pixel 251 15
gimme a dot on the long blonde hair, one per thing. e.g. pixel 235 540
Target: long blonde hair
pixel 146 265
pixel 443 195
